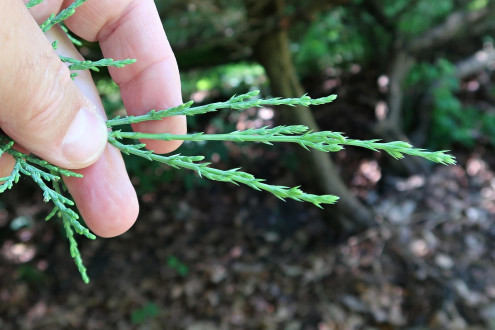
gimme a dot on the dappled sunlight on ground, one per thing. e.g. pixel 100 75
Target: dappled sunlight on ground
pixel 17 252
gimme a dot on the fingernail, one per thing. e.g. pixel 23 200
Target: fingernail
pixel 85 139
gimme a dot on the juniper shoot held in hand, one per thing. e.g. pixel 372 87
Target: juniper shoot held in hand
pixel 47 176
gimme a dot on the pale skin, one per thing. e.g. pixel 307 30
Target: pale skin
pixel 61 120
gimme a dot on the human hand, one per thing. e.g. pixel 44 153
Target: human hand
pixel 61 120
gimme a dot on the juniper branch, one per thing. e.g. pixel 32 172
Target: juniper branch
pixel 44 173
pixel 69 217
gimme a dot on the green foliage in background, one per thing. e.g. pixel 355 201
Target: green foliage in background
pixel 452 122
pixel 224 80
pixel 420 17
pixel 329 42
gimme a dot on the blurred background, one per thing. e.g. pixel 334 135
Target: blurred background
pixel 408 246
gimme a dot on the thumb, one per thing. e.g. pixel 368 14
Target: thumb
pixel 40 106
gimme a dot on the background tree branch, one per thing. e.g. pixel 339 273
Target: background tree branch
pixel 456 23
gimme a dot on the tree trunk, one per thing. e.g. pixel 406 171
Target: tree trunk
pixel 272 51
pixel 391 128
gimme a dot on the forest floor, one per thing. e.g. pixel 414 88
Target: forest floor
pixel 223 257
pixel 218 256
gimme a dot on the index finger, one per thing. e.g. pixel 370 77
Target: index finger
pixel 133 29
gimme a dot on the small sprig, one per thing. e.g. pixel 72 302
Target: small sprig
pixel 323 141
pixel 61 208
pixel 45 175
pixel 42 163
pixel 33 3
pixel 397 149
pixel 326 141
pixel 74 40
pixel 244 101
pixel 70 221
pixel 233 176
pixel 95 65
pixel 63 15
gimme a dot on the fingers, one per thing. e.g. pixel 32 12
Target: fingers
pixel 7 164
pixel 41 92
pixel 105 196
pixel 132 29
pixel 40 106
pixel 43 10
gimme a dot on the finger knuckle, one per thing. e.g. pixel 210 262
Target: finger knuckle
pixel 45 104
